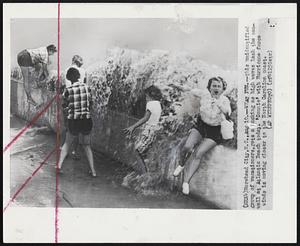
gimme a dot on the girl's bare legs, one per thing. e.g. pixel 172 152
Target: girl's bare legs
pixel 89 154
pixel 140 158
pixel 64 150
pixel 42 75
pixel 193 138
pixel 25 74
pixel 205 146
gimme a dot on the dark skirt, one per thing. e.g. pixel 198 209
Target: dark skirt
pixel 24 59
pixel 207 131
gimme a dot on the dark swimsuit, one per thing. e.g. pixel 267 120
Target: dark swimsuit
pixel 24 59
pixel 207 131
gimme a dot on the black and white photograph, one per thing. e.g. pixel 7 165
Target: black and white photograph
pixel 147 114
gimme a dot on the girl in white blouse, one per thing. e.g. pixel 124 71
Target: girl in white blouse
pixel 214 107
pixel 150 123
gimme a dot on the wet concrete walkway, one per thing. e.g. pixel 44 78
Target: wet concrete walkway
pixel 76 187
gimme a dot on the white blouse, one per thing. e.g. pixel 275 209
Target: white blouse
pixel 155 109
pixel 212 110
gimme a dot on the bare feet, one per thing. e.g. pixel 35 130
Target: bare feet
pixel 93 173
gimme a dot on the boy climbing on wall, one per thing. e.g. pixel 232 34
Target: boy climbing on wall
pixel 38 59
pixel 77 99
pixel 149 122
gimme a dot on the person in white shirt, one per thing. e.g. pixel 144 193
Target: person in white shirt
pixel 39 59
pixel 149 122
pixel 77 63
pixel 214 108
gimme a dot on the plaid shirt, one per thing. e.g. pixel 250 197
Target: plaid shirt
pixel 77 100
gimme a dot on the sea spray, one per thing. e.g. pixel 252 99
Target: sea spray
pixel 119 80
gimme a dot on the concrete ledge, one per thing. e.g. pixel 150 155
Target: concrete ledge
pixel 24 110
pixel 215 180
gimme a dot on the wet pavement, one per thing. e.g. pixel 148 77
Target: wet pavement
pixel 76 187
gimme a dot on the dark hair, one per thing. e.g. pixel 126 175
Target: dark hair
pixel 51 47
pixel 219 79
pixel 73 74
pixel 154 92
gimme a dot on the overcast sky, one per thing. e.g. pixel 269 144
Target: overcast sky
pixel 211 40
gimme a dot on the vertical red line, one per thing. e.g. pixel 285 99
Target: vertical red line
pixel 57 123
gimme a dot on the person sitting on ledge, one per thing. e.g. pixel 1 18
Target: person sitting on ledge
pixel 38 59
pixel 213 108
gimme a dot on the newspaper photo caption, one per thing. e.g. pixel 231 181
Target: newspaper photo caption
pixel 256 129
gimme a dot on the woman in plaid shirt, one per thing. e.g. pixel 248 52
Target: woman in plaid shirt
pixel 77 62
pixel 77 101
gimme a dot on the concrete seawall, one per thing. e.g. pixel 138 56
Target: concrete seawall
pixel 215 180
pixel 20 107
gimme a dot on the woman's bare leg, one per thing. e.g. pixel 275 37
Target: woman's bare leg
pixel 205 146
pixel 63 154
pixel 89 154
pixel 193 138
pixel 40 76
pixel 25 74
pixel 65 149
